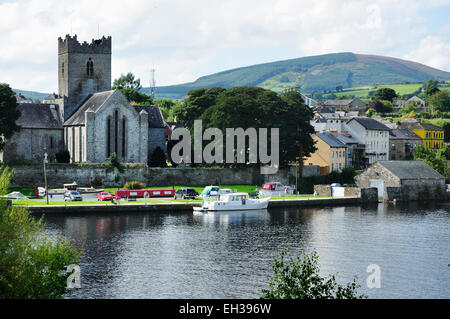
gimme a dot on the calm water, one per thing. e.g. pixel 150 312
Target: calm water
pixel 228 255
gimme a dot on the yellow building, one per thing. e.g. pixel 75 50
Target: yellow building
pixel 432 136
pixel 331 154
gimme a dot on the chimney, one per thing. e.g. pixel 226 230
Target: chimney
pixel 344 133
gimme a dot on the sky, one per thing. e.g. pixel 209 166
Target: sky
pixel 184 40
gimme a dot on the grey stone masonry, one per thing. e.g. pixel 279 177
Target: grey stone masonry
pixel 83 69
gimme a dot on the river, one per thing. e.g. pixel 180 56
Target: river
pixel 229 255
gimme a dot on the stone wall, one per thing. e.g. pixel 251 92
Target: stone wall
pixel 59 174
pixel 31 144
pixel 369 195
pixel 322 190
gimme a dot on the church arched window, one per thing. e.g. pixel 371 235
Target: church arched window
pixel 62 68
pixel 90 68
pixel 124 123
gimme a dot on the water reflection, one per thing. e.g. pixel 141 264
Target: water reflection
pixel 228 254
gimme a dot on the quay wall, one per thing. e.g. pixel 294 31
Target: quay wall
pixel 181 207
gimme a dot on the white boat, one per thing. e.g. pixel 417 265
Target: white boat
pixel 232 201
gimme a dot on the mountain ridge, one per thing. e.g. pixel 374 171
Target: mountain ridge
pixel 315 73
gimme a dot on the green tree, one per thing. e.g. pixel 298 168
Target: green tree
pixel 409 107
pixel 63 156
pixel 436 160
pixel 254 107
pixel 300 278
pixel 127 81
pixel 377 105
pixel 384 94
pixel 197 102
pixel 431 90
pixel 8 113
pixel 31 266
pixel 137 98
pixel 440 101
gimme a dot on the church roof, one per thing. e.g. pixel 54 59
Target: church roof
pixel 93 102
pixel 43 116
pixel 155 118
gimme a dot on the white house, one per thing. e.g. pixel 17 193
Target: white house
pixel 374 135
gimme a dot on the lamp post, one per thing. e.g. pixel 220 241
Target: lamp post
pixel 45 161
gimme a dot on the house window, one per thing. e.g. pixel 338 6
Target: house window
pixel 62 68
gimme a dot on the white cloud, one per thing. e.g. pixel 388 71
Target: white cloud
pixel 183 40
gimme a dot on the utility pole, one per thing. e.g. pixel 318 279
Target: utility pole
pixel 152 83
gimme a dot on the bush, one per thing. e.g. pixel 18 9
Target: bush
pixel 32 267
pixel 133 185
pixel 158 158
pixel 299 279
pixel 63 156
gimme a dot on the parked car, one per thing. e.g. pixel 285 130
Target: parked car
pixel 72 196
pixel 184 193
pixel 104 196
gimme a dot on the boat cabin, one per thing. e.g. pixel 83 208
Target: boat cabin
pixel 71 187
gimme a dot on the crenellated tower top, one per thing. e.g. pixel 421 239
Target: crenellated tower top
pixel 71 45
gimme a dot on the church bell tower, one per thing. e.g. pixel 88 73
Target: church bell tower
pixel 83 69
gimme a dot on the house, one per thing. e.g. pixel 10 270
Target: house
pixel 402 144
pixel 346 105
pixel 51 99
pixel 21 99
pixel 432 136
pixel 418 102
pixel 403 180
pixel 355 150
pixel 331 154
pixel 374 135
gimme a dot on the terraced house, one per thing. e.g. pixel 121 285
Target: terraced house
pixel 331 154
pixel 432 136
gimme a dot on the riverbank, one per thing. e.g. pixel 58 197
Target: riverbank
pixel 182 206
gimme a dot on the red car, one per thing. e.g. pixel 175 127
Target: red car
pixel 104 196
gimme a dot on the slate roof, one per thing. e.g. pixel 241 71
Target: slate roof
pixel 411 169
pixel 93 102
pixel 346 139
pixel 337 103
pixel 415 125
pixel 403 135
pixel 330 139
pixel 155 118
pixel 370 124
pixel 39 116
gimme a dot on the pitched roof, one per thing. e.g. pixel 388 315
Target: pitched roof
pixel 347 139
pixel 330 139
pixel 46 116
pixel 403 135
pixel 155 117
pixel 411 169
pixel 337 103
pixel 93 102
pixel 416 125
pixel 370 124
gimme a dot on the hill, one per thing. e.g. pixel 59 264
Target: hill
pixel 315 73
pixel 32 95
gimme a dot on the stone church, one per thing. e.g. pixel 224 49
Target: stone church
pixel 86 117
